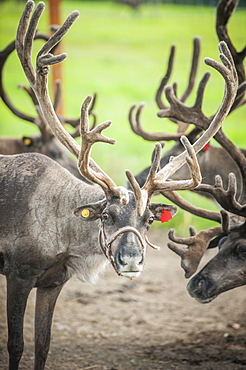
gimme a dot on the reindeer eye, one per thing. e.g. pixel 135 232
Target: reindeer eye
pixel 151 220
pixel 242 250
pixel 105 216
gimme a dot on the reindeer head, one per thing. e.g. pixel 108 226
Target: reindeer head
pixel 123 234
pixel 227 270
pixel 123 226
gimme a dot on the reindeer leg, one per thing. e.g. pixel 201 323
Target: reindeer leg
pixel 17 293
pixel 45 304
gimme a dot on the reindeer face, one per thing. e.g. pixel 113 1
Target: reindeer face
pixel 227 270
pixel 122 234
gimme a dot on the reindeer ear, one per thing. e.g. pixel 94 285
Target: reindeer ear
pixel 90 212
pixel 163 212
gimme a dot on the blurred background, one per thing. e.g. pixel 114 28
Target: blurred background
pixel 119 50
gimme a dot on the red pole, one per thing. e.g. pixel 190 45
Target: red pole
pixel 55 19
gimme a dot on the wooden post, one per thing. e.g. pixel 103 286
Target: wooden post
pixel 56 71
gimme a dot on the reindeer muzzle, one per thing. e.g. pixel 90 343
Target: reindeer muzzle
pixel 106 246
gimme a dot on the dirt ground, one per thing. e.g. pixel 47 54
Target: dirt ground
pixel 147 323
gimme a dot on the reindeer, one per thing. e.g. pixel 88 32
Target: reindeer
pixel 54 226
pixel 212 160
pixel 44 142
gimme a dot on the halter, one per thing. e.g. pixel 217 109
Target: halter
pixel 105 242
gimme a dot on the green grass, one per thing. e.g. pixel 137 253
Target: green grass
pixel 122 55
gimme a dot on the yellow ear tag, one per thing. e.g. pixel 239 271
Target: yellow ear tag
pixel 27 142
pixel 85 213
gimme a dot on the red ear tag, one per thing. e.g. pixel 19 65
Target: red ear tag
pixel 165 216
pixel 206 147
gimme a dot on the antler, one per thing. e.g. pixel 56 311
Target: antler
pixel 192 76
pixel 225 9
pixel 157 181
pixel 226 198
pixel 191 208
pixel 38 81
pixel 4 54
pixel 154 136
pixel 196 244
pixel 182 127
pixel 86 165
pixel 38 121
pixel 194 115
pixel 76 122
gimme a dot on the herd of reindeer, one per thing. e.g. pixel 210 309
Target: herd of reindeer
pixel 59 218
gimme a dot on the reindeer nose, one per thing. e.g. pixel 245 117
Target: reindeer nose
pixel 197 286
pixel 128 252
pixel 200 288
pixel 129 262
pixel 131 257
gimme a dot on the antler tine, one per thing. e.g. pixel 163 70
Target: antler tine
pixel 91 112
pixel 193 70
pixel 25 35
pixel 87 166
pixel 165 79
pixel 154 136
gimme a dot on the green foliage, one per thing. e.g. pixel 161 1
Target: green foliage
pixel 122 54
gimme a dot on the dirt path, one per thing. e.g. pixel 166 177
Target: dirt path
pixel 147 323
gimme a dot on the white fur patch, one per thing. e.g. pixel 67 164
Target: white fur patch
pixel 87 269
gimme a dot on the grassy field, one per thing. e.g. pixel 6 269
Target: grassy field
pixel 122 54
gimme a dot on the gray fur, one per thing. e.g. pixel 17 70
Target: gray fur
pixel 38 199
